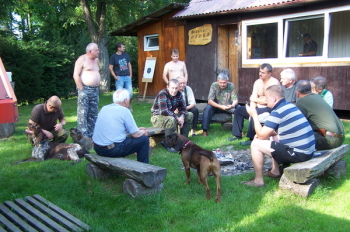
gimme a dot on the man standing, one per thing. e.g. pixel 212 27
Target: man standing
pixel 291 137
pixel 175 67
pixel 222 98
pixel 190 102
pixel 113 124
pixel 87 79
pixel 328 129
pixel 310 46
pixel 169 110
pixel 289 85
pixel 257 100
pixel 120 69
pixel 46 116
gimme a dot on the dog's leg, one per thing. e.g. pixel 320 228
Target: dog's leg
pixel 216 173
pixel 188 173
pixel 204 180
pixel 199 176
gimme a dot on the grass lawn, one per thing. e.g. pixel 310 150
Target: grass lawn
pixel 179 207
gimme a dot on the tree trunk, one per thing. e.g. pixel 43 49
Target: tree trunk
pixel 97 32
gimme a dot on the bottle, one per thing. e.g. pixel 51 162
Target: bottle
pixel 218 153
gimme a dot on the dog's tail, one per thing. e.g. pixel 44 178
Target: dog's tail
pixel 31 159
pixel 209 154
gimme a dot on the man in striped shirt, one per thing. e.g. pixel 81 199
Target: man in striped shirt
pixel 169 110
pixel 286 136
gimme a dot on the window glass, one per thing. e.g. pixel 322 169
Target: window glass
pixel 151 42
pixel 300 45
pixel 339 35
pixel 262 41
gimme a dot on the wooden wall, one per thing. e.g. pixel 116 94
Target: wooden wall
pixel 171 35
pixel 338 81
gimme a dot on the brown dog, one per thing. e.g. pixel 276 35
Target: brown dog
pixel 193 156
pixel 44 149
pixel 78 137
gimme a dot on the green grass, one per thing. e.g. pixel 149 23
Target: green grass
pixel 179 207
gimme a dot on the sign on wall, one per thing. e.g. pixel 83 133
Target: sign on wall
pixel 200 35
pixel 149 69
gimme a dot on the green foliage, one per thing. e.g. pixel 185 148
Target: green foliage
pixel 178 207
pixel 39 68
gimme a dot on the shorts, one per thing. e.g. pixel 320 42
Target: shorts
pixel 285 155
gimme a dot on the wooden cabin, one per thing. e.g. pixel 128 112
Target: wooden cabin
pixel 157 35
pixel 245 34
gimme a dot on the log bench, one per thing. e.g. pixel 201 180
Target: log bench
pixel 300 178
pixel 224 119
pixel 141 178
pixel 35 213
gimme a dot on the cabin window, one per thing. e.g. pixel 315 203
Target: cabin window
pixel 151 42
pixel 339 35
pixel 297 28
pixel 262 41
pixel 280 39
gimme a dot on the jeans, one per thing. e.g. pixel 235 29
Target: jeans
pixel 128 146
pixel 208 113
pixel 124 82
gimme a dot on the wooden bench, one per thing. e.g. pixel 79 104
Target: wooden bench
pixel 141 178
pixel 300 178
pixel 35 213
pixel 224 119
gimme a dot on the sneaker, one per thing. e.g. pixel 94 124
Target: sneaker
pixel 246 143
pixel 233 138
pixel 194 135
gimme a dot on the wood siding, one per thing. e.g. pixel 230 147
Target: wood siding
pixel 171 35
pixel 338 81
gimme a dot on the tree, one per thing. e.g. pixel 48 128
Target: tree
pixel 97 31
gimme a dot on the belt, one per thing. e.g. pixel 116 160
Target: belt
pixel 323 132
pixel 108 147
pixel 90 87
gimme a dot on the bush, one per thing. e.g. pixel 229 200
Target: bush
pixel 39 68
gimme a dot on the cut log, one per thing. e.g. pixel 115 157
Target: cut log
pixel 6 130
pixel 147 174
pixel 134 189
pixel 98 173
pixel 304 171
pixel 337 170
pixel 304 190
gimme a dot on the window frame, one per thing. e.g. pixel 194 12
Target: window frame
pixel 146 40
pixel 282 36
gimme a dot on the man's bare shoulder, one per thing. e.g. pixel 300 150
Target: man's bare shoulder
pixel 274 81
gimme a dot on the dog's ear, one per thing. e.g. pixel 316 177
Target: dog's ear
pixel 180 141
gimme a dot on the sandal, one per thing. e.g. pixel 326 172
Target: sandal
pixel 271 175
pixel 253 184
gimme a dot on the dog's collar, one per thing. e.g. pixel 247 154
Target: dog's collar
pixel 189 141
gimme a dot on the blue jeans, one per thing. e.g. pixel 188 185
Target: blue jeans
pixel 127 147
pixel 124 82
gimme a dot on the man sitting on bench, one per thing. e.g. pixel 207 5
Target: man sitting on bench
pixel 328 129
pixel 222 98
pixel 294 143
pixel 113 123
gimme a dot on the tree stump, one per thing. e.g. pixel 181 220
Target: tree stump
pixel 134 188
pixel 6 130
pixel 304 190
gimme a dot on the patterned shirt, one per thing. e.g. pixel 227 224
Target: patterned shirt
pixel 293 128
pixel 165 104
pixel 222 96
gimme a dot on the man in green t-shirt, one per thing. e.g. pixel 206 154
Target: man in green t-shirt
pixel 328 129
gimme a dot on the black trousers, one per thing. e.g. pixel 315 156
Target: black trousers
pixel 238 121
pixel 195 113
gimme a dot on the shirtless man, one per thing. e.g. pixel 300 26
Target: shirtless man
pixel 87 79
pixel 174 68
pixel 257 100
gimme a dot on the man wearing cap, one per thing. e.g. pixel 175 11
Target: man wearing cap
pixel 310 46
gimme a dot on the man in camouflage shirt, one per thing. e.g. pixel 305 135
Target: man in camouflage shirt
pixel 222 99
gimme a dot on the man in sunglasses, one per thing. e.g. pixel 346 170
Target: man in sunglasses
pixel 50 117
